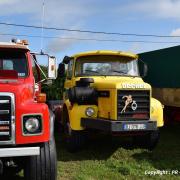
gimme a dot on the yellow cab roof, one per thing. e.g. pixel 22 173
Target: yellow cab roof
pixel 106 52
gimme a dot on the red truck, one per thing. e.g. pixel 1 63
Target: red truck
pixel 26 123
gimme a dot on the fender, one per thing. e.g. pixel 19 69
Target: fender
pixel 157 112
pixel 52 120
pixel 77 112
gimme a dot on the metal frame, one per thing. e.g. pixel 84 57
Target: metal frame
pixel 147 90
pixel 12 141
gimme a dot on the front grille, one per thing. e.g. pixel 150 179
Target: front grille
pixel 141 104
pixel 6 118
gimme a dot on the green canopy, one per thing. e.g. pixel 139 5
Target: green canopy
pixel 163 67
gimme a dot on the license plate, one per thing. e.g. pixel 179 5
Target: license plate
pixel 134 126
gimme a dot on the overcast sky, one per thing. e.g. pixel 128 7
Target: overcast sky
pixel 161 17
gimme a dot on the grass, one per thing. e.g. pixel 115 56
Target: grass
pixel 106 159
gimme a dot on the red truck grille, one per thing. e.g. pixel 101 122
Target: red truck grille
pixel 139 108
pixel 6 118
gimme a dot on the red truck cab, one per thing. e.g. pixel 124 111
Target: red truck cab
pixel 26 123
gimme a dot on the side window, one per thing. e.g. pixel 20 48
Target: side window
pixel 70 69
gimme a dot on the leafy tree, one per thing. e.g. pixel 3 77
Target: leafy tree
pixel 55 90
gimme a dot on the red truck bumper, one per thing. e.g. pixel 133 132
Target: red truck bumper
pixel 22 151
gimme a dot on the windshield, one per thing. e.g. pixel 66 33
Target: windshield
pixel 106 66
pixel 14 60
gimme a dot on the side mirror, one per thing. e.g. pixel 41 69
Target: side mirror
pixel 61 70
pixel 143 68
pixel 145 71
pixel 66 59
pixel 51 67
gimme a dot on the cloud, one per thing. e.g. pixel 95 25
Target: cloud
pixel 16 7
pixel 67 40
pixel 59 45
pixel 78 14
pixel 7 2
pixel 175 32
pixel 153 8
pixel 62 14
pixel 59 13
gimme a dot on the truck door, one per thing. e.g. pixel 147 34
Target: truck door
pixel 69 81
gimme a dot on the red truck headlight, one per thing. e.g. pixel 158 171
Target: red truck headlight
pixel 32 124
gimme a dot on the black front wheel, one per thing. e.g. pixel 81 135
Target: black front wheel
pixel 44 166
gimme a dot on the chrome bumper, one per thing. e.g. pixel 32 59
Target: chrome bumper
pixel 23 151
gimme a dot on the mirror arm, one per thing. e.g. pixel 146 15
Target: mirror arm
pixel 145 65
pixel 41 53
pixel 41 81
pixel 39 67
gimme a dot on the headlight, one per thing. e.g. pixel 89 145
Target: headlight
pixel 90 112
pixel 32 124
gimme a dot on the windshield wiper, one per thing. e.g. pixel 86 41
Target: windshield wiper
pixel 120 72
pixel 88 70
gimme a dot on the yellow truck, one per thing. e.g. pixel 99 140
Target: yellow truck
pixel 105 92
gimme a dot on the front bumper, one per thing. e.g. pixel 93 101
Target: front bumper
pixel 119 126
pixel 24 151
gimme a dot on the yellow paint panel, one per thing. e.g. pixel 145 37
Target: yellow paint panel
pixel 106 105
pixel 105 52
pixel 157 112
pixel 77 113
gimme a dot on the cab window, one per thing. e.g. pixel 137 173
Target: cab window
pixel 14 60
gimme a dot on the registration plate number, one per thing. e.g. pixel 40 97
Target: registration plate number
pixel 134 126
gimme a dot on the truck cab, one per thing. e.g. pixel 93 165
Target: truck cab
pixel 105 92
pixel 26 124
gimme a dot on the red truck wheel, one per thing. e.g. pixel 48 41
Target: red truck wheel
pixel 44 166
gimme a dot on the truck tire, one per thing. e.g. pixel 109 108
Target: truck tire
pixel 44 166
pixel 148 141
pixel 74 139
